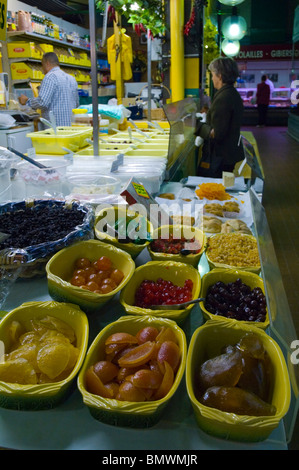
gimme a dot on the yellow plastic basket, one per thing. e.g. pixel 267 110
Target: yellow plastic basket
pixel 73 138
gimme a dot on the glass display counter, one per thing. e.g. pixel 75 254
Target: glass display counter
pixel 70 426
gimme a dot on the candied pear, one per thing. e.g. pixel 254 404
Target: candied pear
pixel 238 401
pixel 224 369
pixel 255 376
pixel 252 344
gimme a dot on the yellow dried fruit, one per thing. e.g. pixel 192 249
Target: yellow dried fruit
pixel 18 371
pixel 52 360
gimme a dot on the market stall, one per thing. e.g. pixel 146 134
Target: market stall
pixel 177 427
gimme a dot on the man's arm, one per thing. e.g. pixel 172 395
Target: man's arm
pixel 43 100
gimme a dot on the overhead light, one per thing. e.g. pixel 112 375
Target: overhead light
pixel 234 27
pixel 230 48
pixel 231 3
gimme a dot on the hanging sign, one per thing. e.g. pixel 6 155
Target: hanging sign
pixel 267 52
pixel 3 16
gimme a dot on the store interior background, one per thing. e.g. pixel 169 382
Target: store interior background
pixel 269 23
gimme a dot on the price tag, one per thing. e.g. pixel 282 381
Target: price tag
pixel 140 190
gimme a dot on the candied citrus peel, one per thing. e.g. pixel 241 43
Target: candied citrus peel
pixel 136 368
pixel 46 353
pixel 212 191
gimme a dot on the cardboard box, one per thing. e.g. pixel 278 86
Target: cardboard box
pixel 23 49
pixel 135 193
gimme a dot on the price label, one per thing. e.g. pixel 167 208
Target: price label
pixel 3 16
pixel 140 190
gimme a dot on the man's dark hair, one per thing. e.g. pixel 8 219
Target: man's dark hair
pixel 51 57
pixel 264 78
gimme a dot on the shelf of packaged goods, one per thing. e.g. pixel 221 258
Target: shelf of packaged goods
pixel 27 35
pixel 62 64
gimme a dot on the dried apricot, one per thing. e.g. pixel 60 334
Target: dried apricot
pixel 128 392
pixel 166 334
pixel 146 378
pixel 167 382
pixel 169 352
pixel 123 372
pixel 148 333
pixel 95 385
pixel 105 370
pixel 138 356
pixel 121 338
pixel 112 388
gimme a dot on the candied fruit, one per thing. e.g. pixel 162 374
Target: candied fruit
pixel 131 369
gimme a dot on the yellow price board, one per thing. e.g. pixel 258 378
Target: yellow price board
pixel 3 16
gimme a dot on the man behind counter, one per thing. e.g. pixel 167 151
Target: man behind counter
pixel 58 92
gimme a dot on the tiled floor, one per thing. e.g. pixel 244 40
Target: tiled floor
pixel 280 159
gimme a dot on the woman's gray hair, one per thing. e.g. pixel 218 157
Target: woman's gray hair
pixel 226 67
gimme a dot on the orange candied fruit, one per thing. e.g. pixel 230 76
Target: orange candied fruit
pixel 138 367
pixel 212 191
pixel 99 276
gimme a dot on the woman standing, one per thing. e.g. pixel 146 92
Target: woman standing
pixel 222 147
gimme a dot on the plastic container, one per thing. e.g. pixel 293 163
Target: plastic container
pixel 40 182
pixel 179 231
pixel 73 138
pixel 90 184
pixel 230 275
pixel 60 268
pixel 222 242
pixel 48 395
pixel 110 215
pixel 172 271
pixel 208 341
pixel 131 414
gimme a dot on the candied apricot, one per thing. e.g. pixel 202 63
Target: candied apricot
pixel 78 280
pixel 106 371
pixel 146 378
pixel 106 289
pixel 92 286
pixel 148 333
pixel 82 263
pixel 128 392
pixel 94 384
pixel 112 388
pixel 138 356
pixel 121 338
pixel 117 276
pixel 166 383
pixel 104 263
pixel 169 352
pixel 166 334
pixel 123 372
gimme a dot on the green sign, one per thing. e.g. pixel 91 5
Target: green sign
pixel 3 16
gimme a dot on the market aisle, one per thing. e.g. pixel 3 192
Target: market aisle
pixel 280 158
